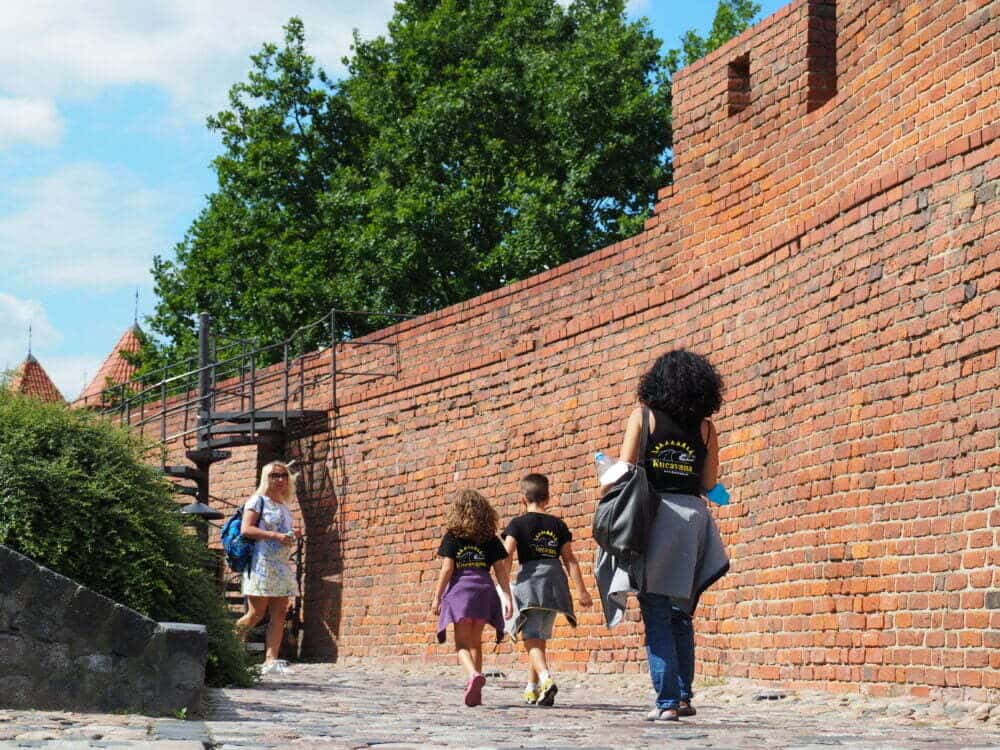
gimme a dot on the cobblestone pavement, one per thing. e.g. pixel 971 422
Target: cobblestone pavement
pixel 383 707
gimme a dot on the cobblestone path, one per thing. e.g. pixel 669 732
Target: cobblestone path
pixel 382 707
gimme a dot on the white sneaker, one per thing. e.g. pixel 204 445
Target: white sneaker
pixel 276 666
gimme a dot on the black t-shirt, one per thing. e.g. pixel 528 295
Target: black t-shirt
pixel 539 536
pixel 675 457
pixel 471 556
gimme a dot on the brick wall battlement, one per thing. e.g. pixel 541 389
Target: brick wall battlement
pixel 831 242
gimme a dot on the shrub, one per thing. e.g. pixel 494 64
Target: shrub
pixel 76 496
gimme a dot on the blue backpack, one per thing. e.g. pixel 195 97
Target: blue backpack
pixel 238 549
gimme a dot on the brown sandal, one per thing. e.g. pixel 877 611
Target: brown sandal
pixel 686 709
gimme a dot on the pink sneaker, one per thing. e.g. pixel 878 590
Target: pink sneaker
pixel 474 690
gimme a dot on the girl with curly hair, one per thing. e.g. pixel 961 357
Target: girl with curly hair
pixel 465 595
pixel 684 551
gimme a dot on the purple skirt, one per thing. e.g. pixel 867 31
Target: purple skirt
pixel 471 595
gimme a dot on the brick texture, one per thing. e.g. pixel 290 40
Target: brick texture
pixel 832 245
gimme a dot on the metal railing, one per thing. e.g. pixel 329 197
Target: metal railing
pixel 184 403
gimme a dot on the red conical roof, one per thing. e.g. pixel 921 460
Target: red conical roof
pixel 116 369
pixel 30 379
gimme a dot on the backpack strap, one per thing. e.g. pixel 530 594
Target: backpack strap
pixel 640 459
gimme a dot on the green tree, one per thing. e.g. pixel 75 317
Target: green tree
pixel 732 18
pixel 506 138
pixel 475 144
pixel 258 257
pixel 76 496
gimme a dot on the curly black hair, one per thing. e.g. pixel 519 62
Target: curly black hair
pixel 683 385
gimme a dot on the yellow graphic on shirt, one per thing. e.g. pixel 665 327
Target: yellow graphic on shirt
pixel 470 556
pixel 673 457
pixel 545 544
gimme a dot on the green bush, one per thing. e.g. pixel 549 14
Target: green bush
pixel 76 496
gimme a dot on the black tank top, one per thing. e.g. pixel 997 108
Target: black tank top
pixel 675 457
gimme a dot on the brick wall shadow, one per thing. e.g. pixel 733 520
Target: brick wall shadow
pixel 322 483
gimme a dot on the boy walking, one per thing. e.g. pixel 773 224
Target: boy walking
pixel 541 589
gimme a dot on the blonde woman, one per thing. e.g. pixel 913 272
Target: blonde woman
pixel 269 581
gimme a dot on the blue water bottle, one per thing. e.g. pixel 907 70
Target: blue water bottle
pixel 718 495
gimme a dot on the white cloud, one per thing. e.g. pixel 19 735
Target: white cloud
pixel 71 374
pixel 192 49
pixel 84 226
pixel 16 315
pixel 25 120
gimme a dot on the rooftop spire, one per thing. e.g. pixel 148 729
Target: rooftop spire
pixel 30 379
pixel 116 369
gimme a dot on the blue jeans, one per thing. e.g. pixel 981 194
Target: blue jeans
pixel 669 649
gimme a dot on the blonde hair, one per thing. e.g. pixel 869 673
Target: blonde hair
pixel 264 488
pixel 472 517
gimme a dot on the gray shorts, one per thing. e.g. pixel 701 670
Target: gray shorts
pixel 538 624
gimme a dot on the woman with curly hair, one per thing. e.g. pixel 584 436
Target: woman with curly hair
pixel 684 552
pixel 469 550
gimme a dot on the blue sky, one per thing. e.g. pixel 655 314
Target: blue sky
pixel 105 156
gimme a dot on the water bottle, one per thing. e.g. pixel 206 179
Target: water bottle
pixel 603 462
pixel 718 495
pixel 608 469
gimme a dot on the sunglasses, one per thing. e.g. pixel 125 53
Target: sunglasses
pixel 277 475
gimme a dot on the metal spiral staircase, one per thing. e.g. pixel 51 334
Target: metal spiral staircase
pixel 228 398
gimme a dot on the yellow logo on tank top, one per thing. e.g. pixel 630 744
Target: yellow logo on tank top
pixel 673 457
pixel 545 543
pixel 470 556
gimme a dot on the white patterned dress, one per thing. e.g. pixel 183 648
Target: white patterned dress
pixel 270 573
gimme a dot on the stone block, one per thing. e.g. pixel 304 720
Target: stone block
pixel 88 611
pixel 14 570
pixel 42 600
pixel 65 647
pixel 182 650
pixel 128 632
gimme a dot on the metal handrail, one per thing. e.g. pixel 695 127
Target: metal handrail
pixel 235 415
pixel 244 389
pixel 294 389
pixel 198 370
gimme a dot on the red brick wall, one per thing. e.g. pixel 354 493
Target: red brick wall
pixel 837 258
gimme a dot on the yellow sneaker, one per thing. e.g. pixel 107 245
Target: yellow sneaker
pixel 530 696
pixel 547 692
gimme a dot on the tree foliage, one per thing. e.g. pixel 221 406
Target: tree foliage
pixel 261 257
pixel 732 18
pixel 475 144
pixel 76 497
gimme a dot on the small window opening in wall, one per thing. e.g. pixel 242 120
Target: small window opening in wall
pixel 821 53
pixel 739 84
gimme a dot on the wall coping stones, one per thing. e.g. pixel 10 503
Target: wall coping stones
pixel 66 647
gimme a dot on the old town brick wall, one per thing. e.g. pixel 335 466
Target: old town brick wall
pixel 830 240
